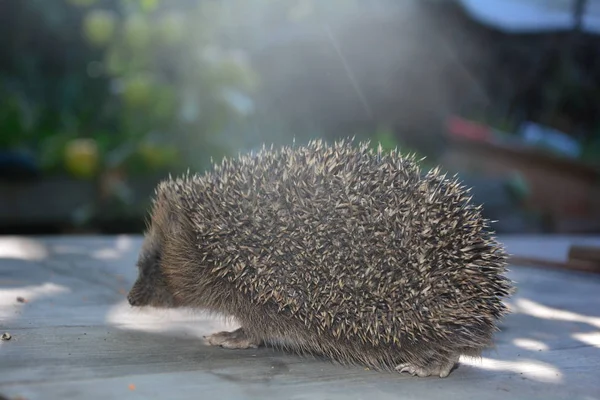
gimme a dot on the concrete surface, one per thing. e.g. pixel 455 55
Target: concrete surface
pixel 74 337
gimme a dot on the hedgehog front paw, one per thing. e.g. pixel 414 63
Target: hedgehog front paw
pixel 438 369
pixel 237 339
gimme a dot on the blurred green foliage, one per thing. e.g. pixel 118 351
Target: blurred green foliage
pixel 138 86
pixel 134 85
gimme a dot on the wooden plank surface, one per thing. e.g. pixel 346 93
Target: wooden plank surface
pixel 74 337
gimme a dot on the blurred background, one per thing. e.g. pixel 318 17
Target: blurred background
pixel 100 99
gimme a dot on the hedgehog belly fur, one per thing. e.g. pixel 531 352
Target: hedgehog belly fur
pixel 335 250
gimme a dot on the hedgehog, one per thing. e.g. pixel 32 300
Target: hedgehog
pixel 335 250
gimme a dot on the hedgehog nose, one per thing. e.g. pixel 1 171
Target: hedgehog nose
pixel 132 301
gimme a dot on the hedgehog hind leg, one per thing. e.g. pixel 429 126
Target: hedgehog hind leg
pixel 438 368
pixel 237 339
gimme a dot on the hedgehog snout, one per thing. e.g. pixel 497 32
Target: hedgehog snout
pixel 137 295
pixel 153 293
pixel 133 300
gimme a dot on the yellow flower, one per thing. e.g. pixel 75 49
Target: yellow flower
pixel 82 158
pixel 99 26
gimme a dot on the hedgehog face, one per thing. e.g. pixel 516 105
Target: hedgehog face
pixel 150 288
